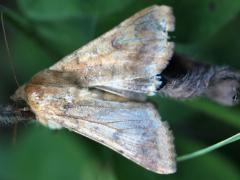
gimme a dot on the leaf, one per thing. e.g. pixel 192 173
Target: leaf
pixel 61 9
pixel 47 42
pixel 65 36
pixel 171 110
pixel 223 47
pixel 197 21
pixel 220 49
pixel 44 154
pixel 4 167
pixel 28 55
pixel 210 166
pixel 228 115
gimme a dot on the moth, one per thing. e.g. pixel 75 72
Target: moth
pixel 99 91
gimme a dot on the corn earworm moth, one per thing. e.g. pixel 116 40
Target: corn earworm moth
pixel 99 90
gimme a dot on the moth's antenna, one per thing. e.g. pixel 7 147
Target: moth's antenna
pixel 8 51
pixel 14 76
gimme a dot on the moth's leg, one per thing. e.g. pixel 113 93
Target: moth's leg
pixel 186 79
pixel 11 114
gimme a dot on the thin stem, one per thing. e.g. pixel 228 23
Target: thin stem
pixel 201 152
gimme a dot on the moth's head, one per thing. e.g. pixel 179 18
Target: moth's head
pixel 225 90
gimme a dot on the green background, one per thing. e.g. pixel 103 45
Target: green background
pixel 40 32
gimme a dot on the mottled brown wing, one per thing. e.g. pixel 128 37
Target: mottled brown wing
pixel 126 59
pixel 130 128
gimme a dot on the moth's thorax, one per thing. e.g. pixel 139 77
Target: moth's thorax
pixel 42 88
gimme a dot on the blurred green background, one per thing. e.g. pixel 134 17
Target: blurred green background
pixel 40 32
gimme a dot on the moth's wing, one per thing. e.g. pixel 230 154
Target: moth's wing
pixel 131 129
pixel 137 49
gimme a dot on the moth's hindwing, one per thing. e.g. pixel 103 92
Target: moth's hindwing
pixel 133 129
pixel 126 59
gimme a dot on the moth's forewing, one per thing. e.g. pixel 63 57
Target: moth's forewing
pixel 133 129
pixel 126 59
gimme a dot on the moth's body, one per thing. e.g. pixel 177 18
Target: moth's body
pixel 98 90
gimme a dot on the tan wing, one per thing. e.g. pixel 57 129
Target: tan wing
pixel 132 129
pixel 137 49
